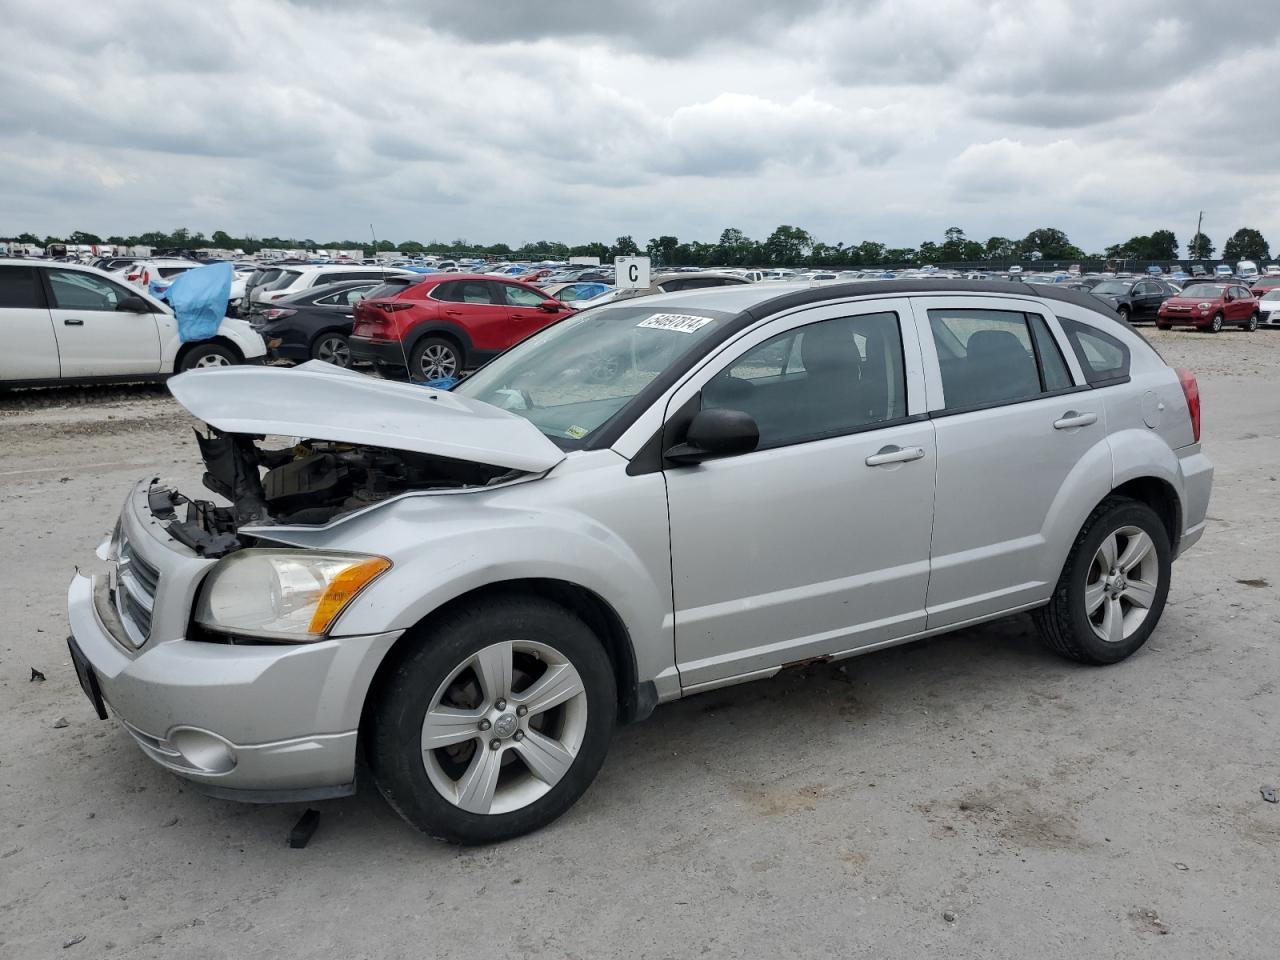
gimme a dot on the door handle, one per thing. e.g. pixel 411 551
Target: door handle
pixel 894 454
pixel 73 323
pixel 348 316
pixel 1073 419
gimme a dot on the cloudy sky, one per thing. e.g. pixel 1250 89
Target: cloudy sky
pixel 572 120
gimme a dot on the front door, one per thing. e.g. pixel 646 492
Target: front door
pixel 817 542
pixel 524 309
pixel 30 348
pixel 95 339
pixel 1013 422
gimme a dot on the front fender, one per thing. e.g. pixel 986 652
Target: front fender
pixel 444 546
pixel 247 340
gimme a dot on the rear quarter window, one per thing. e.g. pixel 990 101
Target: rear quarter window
pixel 1104 358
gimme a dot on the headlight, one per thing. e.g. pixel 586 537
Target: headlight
pixel 1203 306
pixel 284 594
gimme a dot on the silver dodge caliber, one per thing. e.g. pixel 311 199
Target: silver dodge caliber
pixel 471 588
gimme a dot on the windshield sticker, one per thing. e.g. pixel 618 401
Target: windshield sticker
pixel 679 322
pixel 576 432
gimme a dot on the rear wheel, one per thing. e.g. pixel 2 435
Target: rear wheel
pixel 1113 587
pixel 1124 313
pixel 1253 322
pixel 495 722
pixel 205 355
pixel 1215 325
pixel 435 358
pixel 332 348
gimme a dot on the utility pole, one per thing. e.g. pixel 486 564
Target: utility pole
pixel 1197 253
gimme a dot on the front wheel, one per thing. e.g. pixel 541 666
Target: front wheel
pixel 1252 325
pixel 495 722
pixel 1113 587
pixel 207 355
pixel 435 358
pixel 1215 325
pixel 1164 326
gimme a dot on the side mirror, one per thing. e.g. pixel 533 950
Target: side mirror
pixel 551 306
pixel 133 304
pixel 716 433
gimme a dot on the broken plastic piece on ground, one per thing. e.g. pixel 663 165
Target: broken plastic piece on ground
pixel 36 676
pixel 301 833
pixel 1271 795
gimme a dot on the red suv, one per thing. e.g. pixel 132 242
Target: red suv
pixel 1209 306
pixel 438 325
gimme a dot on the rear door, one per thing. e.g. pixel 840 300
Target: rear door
pixel 1014 420
pixel 479 308
pixel 30 347
pixel 95 338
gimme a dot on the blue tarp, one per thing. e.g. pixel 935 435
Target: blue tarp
pixel 199 300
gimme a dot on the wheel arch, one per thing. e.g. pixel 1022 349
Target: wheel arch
pixel 635 700
pixel 220 340
pixel 1160 496
pixel 440 328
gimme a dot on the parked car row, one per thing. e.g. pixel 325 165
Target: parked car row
pixel 69 323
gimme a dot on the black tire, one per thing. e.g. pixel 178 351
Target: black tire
pixel 435 353
pixel 332 347
pixel 1064 624
pixel 394 744
pixel 1252 325
pixel 208 355
pixel 1215 325
pixel 1124 313
pixel 1164 326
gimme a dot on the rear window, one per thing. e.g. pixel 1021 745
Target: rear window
pixel 1103 358
pixel 286 277
pixel 20 288
pixel 391 287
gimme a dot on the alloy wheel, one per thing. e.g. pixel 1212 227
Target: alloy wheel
pixel 334 350
pixel 1120 586
pixel 438 360
pixel 504 727
pixel 211 360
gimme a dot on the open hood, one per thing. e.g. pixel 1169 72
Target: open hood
pixel 318 401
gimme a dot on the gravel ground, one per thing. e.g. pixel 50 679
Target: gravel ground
pixel 973 794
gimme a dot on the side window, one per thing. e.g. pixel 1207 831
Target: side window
pixel 353 295
pixel 519 296
pixel 477 291
pixel 1052 365
pixel 1103 358
pixel 329 300
pixel 450 291
pixel 822 380
pixel 985 357
pixel 73 290
pixel 20 288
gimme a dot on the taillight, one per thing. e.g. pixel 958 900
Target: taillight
pixel 275 313
pixel 393 307
pixel 1191 390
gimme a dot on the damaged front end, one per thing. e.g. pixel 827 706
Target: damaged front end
pixel 306 483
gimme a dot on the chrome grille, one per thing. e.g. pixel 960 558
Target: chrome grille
pixel 136 585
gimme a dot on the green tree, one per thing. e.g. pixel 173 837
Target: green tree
pixel 1164 245
pixel 79 236
pixel 662 250
pixel 869 253
pixel 1000 248
pixel 1246 244
pixel 590 250
pixel 623 247
pixel 1051 243
pixel 223 240
pixel 1200 247
pixel 787 246
pixel 929 251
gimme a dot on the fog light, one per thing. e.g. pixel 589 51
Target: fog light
pixel 203 750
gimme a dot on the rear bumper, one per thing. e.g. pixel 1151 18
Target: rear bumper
pixel 1197 483
pixel 258 723
pixel 387 353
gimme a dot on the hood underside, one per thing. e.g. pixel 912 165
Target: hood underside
pixel 320 401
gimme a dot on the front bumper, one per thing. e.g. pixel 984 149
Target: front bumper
pixel 243 721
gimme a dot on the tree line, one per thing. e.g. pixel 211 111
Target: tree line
pixel 786 246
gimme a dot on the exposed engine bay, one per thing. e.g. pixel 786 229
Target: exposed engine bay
pixel 310 483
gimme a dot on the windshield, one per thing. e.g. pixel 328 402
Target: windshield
pixel 1203 291
pixel 571 378
pixel 1113 287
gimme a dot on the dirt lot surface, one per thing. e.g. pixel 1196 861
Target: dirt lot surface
pixel 968 796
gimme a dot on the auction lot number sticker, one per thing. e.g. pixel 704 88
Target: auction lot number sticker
pixel 679 322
